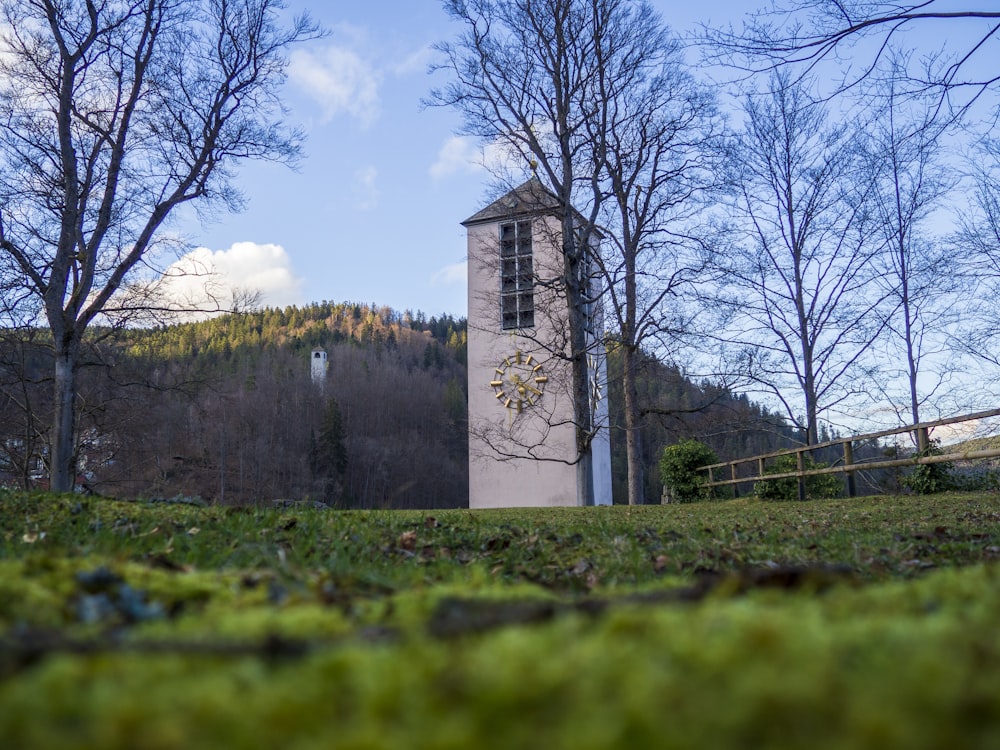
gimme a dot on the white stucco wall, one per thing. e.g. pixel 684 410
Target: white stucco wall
pixel 523 460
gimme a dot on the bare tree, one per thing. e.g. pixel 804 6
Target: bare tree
pixel 979 237
pixel 795 268
pixel 658 167
pixel 113 114
pixel 807 33
pixel 904 157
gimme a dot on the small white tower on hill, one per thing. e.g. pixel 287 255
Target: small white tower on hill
pixel 319 366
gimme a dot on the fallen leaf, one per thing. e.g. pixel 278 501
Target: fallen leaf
pixel 580 568
pixel 193 531
pixel 408 540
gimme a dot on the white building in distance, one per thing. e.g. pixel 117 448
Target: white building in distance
pixel 318 366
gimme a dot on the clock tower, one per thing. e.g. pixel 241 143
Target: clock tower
pixel 522 433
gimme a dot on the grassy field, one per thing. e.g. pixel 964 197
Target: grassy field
pixel 863 623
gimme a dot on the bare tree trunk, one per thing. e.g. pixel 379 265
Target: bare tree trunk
pixel 633 434
pixel 911 358
pixel 574 254
pixel 62 460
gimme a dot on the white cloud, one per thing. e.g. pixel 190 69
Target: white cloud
pixel 207 279
pixel 365 191
pixel 451 275
pixel 463 155
pixel 458 155
pixel 974 428
pixel 415 62
pixel 339 80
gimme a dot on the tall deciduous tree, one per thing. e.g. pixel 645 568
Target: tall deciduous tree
pixel 658 167
pixel 904 157
pixel 980 235
pixel 544 78
pixel 112 114
pixel 796 264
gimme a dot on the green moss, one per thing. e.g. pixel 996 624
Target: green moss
pixel 760 671
pixel 905 654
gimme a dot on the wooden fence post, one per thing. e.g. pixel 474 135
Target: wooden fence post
pixel 800 465
pixel 736 487
pixel 922 442
pixel 849 461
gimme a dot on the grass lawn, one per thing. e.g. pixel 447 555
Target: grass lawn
pixel 862 623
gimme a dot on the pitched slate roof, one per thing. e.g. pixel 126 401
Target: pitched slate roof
pixel 529 198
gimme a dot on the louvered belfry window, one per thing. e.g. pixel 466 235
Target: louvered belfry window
pixel 517 295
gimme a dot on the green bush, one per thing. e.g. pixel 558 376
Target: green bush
pixel 930 479
pixel 817 487
pixel 678 466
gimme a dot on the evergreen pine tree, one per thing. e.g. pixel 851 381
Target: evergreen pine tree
pixel 329 458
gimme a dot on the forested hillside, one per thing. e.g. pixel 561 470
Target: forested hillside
pixel 226 410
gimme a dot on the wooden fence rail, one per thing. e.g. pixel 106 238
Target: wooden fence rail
pixel 849 467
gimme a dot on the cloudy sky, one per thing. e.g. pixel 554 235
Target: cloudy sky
pixel 372 214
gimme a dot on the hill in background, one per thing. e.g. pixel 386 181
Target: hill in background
pixel 226 410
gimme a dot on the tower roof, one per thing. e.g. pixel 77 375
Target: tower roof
pixel 529 198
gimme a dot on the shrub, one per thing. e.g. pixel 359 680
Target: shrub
pixel 817 487
pixel 930 479
pixel 678 466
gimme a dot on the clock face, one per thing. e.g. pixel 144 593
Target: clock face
pixel 518 381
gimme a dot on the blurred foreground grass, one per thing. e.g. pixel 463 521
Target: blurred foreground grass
pixel 829 624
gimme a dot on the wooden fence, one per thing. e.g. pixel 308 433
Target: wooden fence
pixel 849 466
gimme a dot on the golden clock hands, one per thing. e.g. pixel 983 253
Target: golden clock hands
pixel 523 385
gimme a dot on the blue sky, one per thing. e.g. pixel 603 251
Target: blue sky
pixel 373 212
